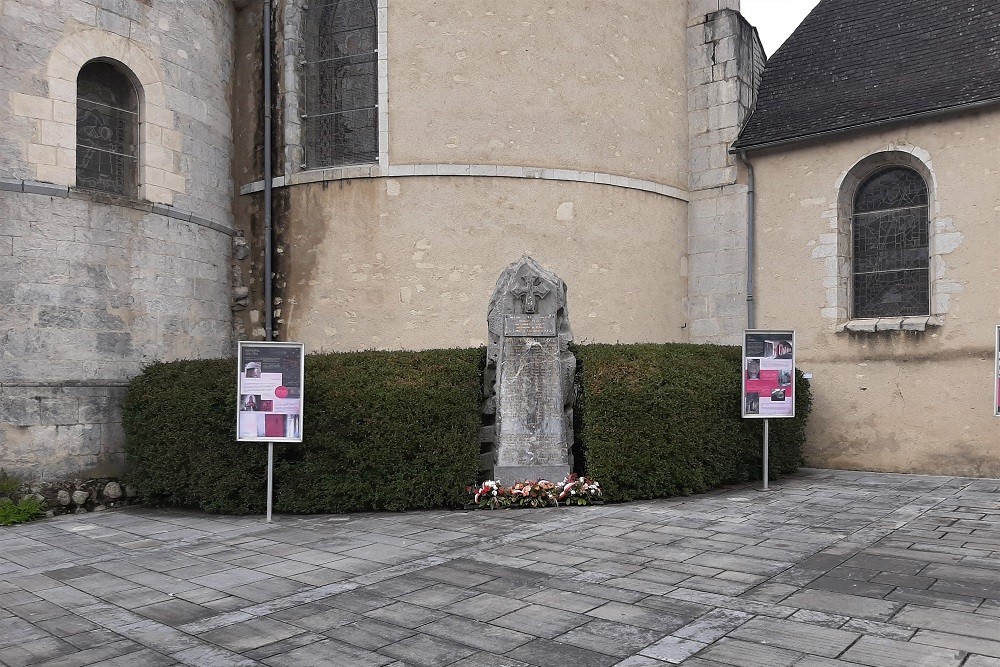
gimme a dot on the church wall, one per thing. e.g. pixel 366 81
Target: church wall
pixel 895 398
pixel 597 88
pixel 412 262
pixel 505 128
pixel 94 287
pixel 725 59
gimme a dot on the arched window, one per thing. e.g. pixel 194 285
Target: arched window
pixel 107 130
pixel 890 240
pixel 340 72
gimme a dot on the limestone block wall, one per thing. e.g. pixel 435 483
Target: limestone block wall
pixel 93 287
pixel 411 262
pixel 725 60
pixel 90 294
pixel 506 128
pixel 180 53
pixel 888 398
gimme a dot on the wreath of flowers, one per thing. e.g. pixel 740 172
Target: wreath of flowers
pixel 573 490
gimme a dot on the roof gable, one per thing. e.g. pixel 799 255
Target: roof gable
pixel 853 63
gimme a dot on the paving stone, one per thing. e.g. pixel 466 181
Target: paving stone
pixel 405 615
pixel 483 607
pixel 879 652
pixel 609 637
pixel 973 625
pixel 652 619
pixel 485 659
pixel 981 661
pixel 841 603
pixel 747 654
pixel 817 640
pixel 547 652
pixel 437 596
pixel 713 625
pixel 328 652
pixel 478 635
pixel 769 592
pixel 960 642
pixel 673 649
pixel 565 600
pixel 543 622
pixel 175 612
pixel 367 633
pixel 850 587
pixel 935 599
pixel 251 634
pixel 424 651
pixel 315 617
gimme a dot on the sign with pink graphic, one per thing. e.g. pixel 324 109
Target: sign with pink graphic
pixel 768 374
pixel 270 381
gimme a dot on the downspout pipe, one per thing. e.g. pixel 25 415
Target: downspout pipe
pixel 268 182
pixel 751 241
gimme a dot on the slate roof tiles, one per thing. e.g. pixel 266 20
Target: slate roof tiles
pixel 853 63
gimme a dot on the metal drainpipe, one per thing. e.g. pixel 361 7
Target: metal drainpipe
pixel 751 241
pixel 268 231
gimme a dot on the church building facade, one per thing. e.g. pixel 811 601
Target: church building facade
pixel 419 148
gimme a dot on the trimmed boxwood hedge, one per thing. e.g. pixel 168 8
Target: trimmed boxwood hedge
pixel 386 430
pixel 399 430
pixel 382 430
pixel 664 420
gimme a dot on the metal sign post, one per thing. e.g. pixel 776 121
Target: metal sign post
pixel 765 454
pixel 768 380
pixel 270 478
pixel 270 381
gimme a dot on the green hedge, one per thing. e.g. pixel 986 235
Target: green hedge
pixel 386 430
pixel 399 430
pixel 382 430
pixel 664 420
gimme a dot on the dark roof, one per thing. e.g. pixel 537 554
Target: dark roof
pixel 853 63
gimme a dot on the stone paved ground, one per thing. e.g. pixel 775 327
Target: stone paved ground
pixel 830 568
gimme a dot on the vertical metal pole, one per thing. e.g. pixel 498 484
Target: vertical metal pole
pixel 268 229
pixel 765 454
pixel 270 478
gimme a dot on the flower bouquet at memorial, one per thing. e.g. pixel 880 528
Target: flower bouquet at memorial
pixel 490 496
pixel 534 494
pixel 576 490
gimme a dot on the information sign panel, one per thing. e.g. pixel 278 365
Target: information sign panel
pixel 768 374
pixel 270 383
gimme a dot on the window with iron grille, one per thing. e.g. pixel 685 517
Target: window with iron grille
pixel 107 130
pixel 890 242
pixel 340 78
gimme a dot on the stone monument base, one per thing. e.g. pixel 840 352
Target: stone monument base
pixel 508 475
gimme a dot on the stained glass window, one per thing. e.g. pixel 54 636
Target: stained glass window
pixel 890 243
pixel 340 75
pixel 107 130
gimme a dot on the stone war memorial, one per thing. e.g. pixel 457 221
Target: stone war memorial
pixel 529 376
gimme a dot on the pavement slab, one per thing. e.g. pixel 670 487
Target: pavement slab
pixel 827 569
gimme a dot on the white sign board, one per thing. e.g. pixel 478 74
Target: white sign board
pixel 768 374
pixel 269 397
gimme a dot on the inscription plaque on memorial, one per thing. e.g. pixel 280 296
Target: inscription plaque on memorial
pixel 529 325
pixel 530 372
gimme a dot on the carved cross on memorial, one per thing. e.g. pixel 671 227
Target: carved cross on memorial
pixel 529 377
pixel 532 291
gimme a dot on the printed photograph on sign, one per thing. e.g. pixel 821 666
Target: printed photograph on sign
pixel 769 374
pixel 270 379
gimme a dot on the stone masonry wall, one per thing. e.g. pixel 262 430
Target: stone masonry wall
pixel 725 61
pixel 93 287
pixel 180 52
pixel 90 294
